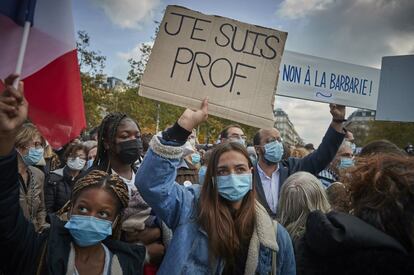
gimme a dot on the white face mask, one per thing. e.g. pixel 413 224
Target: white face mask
pixel 76 164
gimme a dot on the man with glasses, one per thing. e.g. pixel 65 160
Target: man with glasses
pixel 271 170
pixel 233 133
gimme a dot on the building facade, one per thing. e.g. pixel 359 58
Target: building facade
pixel 359 123
pixel 286 128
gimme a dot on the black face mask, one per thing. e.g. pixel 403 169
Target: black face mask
pixel 130 150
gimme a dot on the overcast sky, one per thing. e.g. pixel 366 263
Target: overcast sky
pixel 355 31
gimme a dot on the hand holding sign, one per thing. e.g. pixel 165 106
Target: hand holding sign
pixel 338 116
pixel 191 119
pixel 337 111
pixel 233 63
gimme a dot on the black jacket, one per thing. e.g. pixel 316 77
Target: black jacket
pixel 339 243
pixel 58 189
pixel 312 163
pixel 21 247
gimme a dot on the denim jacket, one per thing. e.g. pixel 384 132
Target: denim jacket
pixel 177 206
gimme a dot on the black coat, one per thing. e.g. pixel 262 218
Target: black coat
pixel 312 163
pixel 58 189
pixel 339 243
pixel 21 247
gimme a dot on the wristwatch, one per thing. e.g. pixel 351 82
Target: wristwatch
pixel 339 120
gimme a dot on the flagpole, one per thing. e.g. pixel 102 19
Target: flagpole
pixel 22 51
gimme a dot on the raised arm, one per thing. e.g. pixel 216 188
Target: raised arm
pixel 321 157
pixel 155 179
pixel 19 243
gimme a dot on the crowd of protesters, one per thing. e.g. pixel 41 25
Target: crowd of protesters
pixel 119 201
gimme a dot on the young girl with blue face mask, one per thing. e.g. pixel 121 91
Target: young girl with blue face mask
pixel 81 245
pixel 219 227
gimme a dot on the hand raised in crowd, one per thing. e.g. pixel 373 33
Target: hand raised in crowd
pixel 13 106
pixel 191 119
pixel 338 116
pixel 13 113
pixel 156 253
pixel 146 236
pixel 337 111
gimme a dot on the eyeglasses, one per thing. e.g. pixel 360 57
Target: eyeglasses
pixel 278 139
pixel 237 136
pixel 77 156
pixel 36 145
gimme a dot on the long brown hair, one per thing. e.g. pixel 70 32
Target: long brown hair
pixel 228 230
pixel 382 194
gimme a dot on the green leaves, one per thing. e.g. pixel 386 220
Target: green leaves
pixel 400 133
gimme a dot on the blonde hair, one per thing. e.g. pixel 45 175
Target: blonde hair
pixel 26 134
pixel 301 194
pixel 299 152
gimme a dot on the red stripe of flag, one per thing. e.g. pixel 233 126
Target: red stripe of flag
pixel 55 100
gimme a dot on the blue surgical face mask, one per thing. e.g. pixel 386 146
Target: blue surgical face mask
pixel 240 141
pixel 88 230
pixel 353 147
pixel 89 163
pixel 273 151
pixel 345 163
pixel 33 156
pixel 202 174
pixel 234 187
pixel 195 158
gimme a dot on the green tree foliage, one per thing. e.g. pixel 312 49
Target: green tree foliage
pixel 91 64
pixel 138 66
pixel 400 133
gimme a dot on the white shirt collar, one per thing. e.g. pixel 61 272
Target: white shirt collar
pixel 260 170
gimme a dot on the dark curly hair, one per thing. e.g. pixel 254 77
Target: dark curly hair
pixel 382 194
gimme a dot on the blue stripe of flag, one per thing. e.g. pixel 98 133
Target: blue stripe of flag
pixel 19 11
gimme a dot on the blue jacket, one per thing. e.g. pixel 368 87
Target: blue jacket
pixel 177 206
pixel 312 163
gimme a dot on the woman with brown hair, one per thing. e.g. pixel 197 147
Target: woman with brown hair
pixel 219 227
pixel 378 238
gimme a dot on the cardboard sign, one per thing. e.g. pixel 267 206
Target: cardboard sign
pixel 396 98
pixel 324 80
pixel 233 63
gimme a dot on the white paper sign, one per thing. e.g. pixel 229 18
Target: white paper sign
pixel 325 80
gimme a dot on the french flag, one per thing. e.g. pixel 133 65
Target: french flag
pixel 50 70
